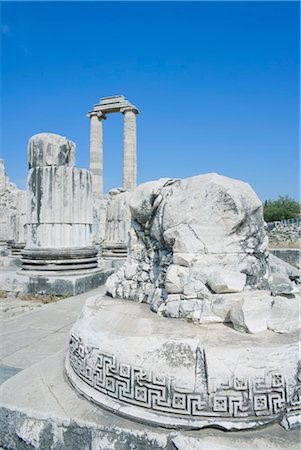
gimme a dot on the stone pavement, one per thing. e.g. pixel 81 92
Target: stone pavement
pixel 34 335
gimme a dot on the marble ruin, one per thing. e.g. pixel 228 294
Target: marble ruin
pixel 112 217
pixel 118 223
pixel 109 105
pixel 12 215
pixel 59 219
pixel 59 215
pixel 192 243
pixel 200 324
pixel 197 251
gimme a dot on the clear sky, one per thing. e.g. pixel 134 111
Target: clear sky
pixel 217 84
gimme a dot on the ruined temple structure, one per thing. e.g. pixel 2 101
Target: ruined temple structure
pixel 109 105
pixel 113 210
pixel 198 324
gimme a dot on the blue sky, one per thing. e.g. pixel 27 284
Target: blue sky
pixel 216 83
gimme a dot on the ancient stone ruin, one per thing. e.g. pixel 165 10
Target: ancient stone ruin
pixel 198 256
pixel 112 217
pixel 12 215
pixel 109 105
pixel 59 216
pixel 192 243
pixel 59 256
pixel 118 223
pixel 200 323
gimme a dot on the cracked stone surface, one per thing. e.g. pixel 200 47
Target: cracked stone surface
pixel 39 409
pixel 194 239
pixel 12 212
pixel 172 373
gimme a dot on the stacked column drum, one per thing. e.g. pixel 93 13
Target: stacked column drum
pixel 59 208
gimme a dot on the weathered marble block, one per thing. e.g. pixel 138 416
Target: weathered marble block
pixel 12 214
pixel 192 240
pixel 59 208
pixel 118 223
pixel 170 373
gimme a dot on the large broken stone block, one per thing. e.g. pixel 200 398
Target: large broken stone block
pixel 223 281
pixel 194 237
pixel 285 316
pixel 282 268
pixel 251 315
pixel 176 278
pixel 281 285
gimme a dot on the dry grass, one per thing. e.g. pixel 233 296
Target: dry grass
pixel 3 294
pixel 45 299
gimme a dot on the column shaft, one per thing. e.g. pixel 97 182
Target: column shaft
pixel 96 158
pixel 129 149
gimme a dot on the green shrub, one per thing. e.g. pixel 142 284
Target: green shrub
pixel 282 208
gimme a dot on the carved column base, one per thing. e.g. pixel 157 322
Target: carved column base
pixel 59 259
pixel 173 374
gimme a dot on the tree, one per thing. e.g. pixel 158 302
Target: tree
pixel 282 208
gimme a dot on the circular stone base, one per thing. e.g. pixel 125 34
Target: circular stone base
pixel 175 374
pixel 59 259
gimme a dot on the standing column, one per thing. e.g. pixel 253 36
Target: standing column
pixel 96 163
pixel 129 148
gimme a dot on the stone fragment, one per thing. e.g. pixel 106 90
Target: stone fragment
pixel 223 281
pixel 280 267
pixel 195 288
pixel 170 308
pixel 251 315
pixel 281 285
pixel 176 277
pixel 285 314
pixel 173 297
pixel 130 270
pixel 221 304
pixel 183 259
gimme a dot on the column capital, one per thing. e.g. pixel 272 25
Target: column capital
pixel 129 108
pixel 99 114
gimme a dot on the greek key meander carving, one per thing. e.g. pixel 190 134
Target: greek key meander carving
pixel 264 397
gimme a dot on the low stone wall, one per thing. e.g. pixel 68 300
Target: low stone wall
pixel 289 255
pixel 285 234
pixel 286 222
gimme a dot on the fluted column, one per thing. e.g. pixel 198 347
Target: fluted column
pixel 129 148
pixel 59 208
pixel 96 151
